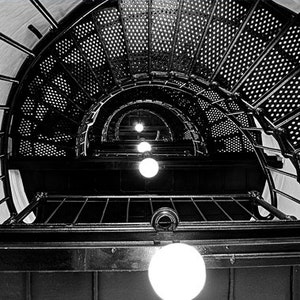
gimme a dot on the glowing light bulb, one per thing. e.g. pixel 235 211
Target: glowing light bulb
pixel 177 272
pixel 144 147
pixel 139 127
pixel 148 167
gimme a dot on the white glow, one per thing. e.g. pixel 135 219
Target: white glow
pixel 148 167
pixel 144 147
pixel 177 272
pixel 139 127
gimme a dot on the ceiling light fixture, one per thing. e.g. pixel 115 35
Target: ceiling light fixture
pixel 144 147
pixel 177 272
pixel 139 127
pixel 148 167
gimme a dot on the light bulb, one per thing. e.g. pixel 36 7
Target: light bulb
pixel 177 272
pixel 148 167
pixel 144 147
pixel 139 127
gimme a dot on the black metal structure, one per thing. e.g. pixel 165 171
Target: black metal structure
pixel 211 71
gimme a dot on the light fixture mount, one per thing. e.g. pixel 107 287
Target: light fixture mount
pixel 165 219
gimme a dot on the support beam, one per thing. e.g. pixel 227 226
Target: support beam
pixel 295 72
pixel 79 48
pixel 125 37
pixel 90 248
pixel 277 213
pixel 45 13
pixel 282 172
pixel 8 79
pixel 287 196
pixel 149 36
pixel 15 44
pixel 95 21
pixel 234 41
pixel 264 54
pixel 202 39
pixel 70 74
pixel 175 37
pixel 287 118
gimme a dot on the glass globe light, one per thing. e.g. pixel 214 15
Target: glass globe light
pixel 144 147
pixel 148 167
pixel 177 272
pixel 139 127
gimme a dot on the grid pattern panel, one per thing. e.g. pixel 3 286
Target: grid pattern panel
pixel 95 56
pixel 111 31
pixel 225 134
pixel 51 112
pixel 261 28
pixel 139 209
pixel 192 21
pixel 284 101
pixel 292 128
pixel 228 17
pixel 275 66
pixel 76 63
pixel 135 16
pixel 163 20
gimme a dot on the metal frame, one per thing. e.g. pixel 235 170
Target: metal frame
pixel 177 113
pixel 183 88
pixel 90 248
pixel 196 202
pixel 287 149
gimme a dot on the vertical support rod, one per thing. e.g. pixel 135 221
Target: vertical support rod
pixel 15 44
pixel 198 209
pixel 295 283
pixel 104 210
pixel 45 13
pixel 175 38
pixel 222 209
pixel 55 211
pixel 127 210
pixel 80 211
pixel 28 286
pixel 95 286
pixel 231 284
pixel 151 206
pixel 202 39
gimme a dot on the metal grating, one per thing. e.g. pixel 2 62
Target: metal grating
pixel 282 59
pixel 293 131
pixel 163 22
pixel 111 31
pixel 259 31
pixel 135 16
pixel 193 18
pixel 76 64
pixel 92 50
pixel 228 17
pixel 283 102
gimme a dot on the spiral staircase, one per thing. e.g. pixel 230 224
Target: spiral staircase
pixel 217 77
